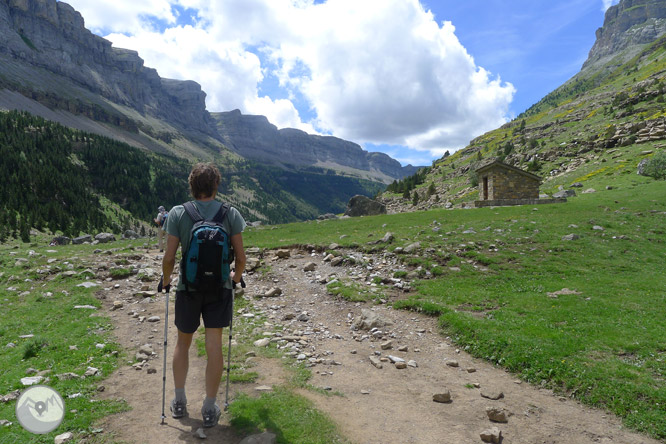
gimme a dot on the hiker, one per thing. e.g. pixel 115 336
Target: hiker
pixel 214 306
pixel 160 221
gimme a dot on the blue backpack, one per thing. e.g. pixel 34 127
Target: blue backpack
pixel 206 264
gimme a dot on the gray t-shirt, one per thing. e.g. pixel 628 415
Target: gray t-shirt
pixel 180 225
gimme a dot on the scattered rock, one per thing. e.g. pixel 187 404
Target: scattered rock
pixel 497 414
pixel 370 319
pixel 562 292
pixel 31 380
pixel 493 436
pixel 5 423
pixel 387 345
pixel 91 371
pixel 65 437
pixel 589 191
pixel 598 228
pixel 570 237
pixel 411 248
pixel 153 319
pixel 564 193
pixel 444 397
pixel 11 396
pixel 493 395
pixel 452 363
pixel 103 238
pixel 262 342
pixel 273 292
pixel 87 285
pixel 200 433
pixel 337 261
pixel 310 266
pixel 376 361
pixel 283 254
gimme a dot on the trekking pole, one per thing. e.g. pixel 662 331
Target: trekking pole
pixel 166 329
pixel 231 323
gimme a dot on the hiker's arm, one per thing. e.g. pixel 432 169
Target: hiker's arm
pixel 239 257
pixel 169 261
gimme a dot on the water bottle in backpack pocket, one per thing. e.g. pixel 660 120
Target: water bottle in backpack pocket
pixel 206 263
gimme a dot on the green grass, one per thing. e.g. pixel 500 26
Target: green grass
pixel 38 301
pixel 292 418
pixel 605 346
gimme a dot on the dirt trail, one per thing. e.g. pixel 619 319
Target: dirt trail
pixel 370 405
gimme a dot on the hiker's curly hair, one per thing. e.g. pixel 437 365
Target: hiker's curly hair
pixel 204 180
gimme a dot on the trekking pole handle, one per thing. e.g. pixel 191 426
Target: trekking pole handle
pixel 242 283
pixel 161 286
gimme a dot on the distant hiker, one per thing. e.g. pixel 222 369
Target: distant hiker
pixel 160 221
pixel 214 305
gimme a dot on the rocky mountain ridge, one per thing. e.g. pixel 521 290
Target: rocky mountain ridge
pixel 49 57
pixel 627 26
pixel 256 138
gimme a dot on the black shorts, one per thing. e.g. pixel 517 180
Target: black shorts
pixel 215 308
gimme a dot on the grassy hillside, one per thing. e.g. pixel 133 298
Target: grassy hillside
pixel 65 181
pixel 492 277
pixel 600 121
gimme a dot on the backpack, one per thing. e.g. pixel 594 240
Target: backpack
pixel 164 218
pixel 206 264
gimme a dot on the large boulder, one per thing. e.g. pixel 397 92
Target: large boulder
pixel 82 239
pixel 103 238
pixel 564 193
pixel 364 206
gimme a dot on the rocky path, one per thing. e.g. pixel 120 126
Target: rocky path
pixel 381 368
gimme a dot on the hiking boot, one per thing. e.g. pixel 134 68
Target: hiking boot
pixel 178 409
pixel 211 417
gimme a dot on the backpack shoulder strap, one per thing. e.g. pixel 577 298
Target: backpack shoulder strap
pixel 221 213
pixel 192 211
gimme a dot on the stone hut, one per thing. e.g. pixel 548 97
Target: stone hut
pixel 502 184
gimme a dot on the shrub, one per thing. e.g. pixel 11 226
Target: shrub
pixel 656 166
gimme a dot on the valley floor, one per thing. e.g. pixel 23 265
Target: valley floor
pixel 370 405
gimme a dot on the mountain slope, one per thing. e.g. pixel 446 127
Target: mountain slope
pixel 53 67
pixel 600 123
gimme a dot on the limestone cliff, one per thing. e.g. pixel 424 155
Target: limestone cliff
pixel 627 26
pixel 255 137
pixel 50 36
pixel 49 59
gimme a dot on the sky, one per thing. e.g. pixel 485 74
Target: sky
pixel 410 78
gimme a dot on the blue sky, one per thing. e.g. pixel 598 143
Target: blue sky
pixel 409 78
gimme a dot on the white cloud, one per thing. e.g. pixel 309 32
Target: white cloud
pixel 372 71
pixel 608 3
pixel 126 16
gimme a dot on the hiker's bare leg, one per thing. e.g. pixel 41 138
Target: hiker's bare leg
pixel 215 364
pixel 181 359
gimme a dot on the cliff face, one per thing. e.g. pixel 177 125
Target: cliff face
pixel 51 35
pixel 48 56
pixel 628 25
pixel 256 138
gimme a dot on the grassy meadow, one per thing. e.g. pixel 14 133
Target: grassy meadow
pixel 487 274
pixel 494 277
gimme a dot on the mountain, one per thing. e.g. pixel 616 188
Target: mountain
pixel 256 138
pixel 599 125
pixel 53 67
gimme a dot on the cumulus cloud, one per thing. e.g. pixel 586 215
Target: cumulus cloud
pixel 375 71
